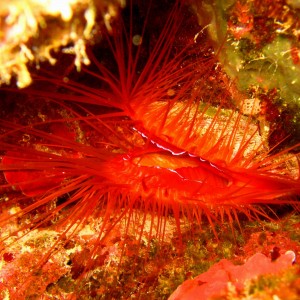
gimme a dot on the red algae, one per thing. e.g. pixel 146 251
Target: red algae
pixel 151 132
pixel 224 276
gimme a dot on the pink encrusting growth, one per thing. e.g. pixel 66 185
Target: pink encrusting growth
pixel 151 134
